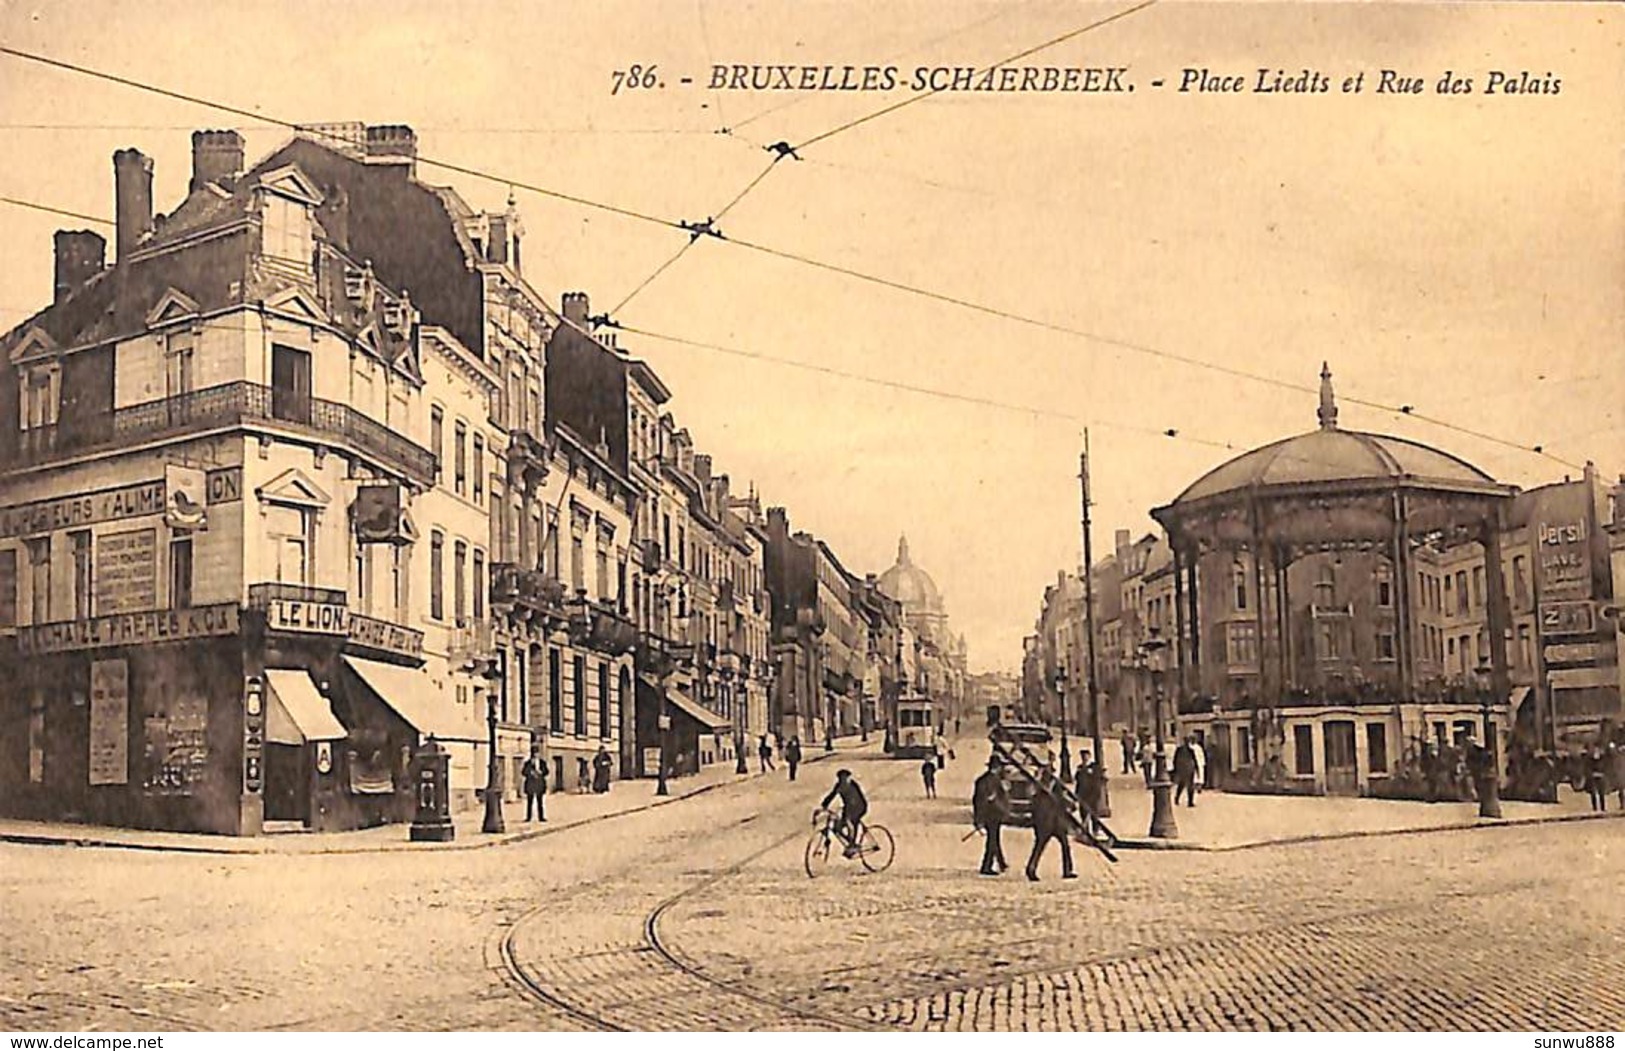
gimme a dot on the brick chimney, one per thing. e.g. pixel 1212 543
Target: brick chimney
pixel 393 144
pixel 216 155
pixel 80 256
pixel 132 193
pixel 575 307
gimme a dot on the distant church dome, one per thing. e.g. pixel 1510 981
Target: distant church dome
pixel 909 584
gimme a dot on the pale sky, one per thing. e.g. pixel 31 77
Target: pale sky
pixel 1462 254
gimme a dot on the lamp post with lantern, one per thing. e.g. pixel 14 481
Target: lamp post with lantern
pixel 1163 825
pixel 493 772
pixel 1066 750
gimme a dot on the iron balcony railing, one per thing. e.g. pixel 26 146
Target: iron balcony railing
pixel 226 405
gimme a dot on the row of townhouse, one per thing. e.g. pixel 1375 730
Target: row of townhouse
pixel 309 474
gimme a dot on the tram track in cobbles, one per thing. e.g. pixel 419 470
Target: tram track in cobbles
pixel 645 982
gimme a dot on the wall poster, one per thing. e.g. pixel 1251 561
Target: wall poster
pixel 109 722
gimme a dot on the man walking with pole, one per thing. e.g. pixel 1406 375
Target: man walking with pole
pixel 990 806
pixel 1050 822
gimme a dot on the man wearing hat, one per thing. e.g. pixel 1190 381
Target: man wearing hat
pixel 990 806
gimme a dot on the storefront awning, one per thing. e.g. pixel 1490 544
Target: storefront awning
pixel 298 712
pixel 411 693
pixel 698 712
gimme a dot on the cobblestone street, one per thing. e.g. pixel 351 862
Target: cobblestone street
pixel 699 915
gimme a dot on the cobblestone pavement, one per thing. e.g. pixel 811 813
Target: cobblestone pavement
pixel 698 915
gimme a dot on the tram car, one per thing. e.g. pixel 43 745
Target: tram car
pixel 916 728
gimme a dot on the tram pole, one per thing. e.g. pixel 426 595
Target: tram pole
pixel 1105 807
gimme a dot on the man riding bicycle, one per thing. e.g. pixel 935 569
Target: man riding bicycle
pixel 853 806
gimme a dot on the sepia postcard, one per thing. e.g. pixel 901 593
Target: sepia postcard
pixel 742 515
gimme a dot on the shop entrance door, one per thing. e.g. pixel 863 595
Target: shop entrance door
pixel 1342 770
pixel 287 783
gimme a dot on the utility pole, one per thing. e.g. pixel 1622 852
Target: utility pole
pixel 1089 627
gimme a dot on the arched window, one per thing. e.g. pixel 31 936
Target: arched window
pixel 1385 585
pixel 1326 587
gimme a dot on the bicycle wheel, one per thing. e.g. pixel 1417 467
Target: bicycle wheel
pixel 876 848
pixel 816 856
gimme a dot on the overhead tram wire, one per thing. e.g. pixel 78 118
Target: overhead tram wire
pixel 693 240
pixel 807 261
pixel 1173 433
pixel 784 149
pixel 1017 57
pixel 294 126
pixel 1003 11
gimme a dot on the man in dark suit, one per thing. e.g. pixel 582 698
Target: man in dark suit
pixel 990 807
pixel 1050 821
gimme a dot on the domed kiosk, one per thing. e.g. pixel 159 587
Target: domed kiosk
pixel 1296 609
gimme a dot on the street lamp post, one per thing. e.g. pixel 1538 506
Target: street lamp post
pixel 1163 825
pixel 1489 782
pixel 1066 751
pixel 493 772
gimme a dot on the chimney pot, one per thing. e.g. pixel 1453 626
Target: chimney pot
pixel 575 307
pixel 132 191
pixel 80 256
pixel 216 156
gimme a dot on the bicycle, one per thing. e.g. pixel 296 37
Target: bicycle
pixel 875 846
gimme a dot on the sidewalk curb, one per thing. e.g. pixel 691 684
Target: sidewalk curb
pixel 254 847
pixel 1328 837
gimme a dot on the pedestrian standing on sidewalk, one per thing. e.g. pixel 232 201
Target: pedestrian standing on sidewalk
pixel 928 774
pixel 1616 771
pixel 764 752
pixel 1596 773
pixel 1200 750
pixel 792 755
pixel 534 777
pixel 1185 772
pixel 990 805
pixel 1050 822
pixel 601 764
pixel 1147 760
pixel 1126 743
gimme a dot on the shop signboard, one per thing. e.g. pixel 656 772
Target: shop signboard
pixel 129 629
pixel 127 571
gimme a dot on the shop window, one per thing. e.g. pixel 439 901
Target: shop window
pixel 437 436
pixel 437 570
pixel 580 668
pixel 1303 750
pixel 605 722
pixel 8 588
pixel 289 531
pixel 459 582
pixel 39 567
pixel 79 543
pixel 1326 588
pixel 36 737
pixel 555 691
pixel 1376 746
pixel 180 572
pixel 460 458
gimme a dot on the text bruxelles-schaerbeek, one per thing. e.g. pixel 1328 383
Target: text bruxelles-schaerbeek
pixel 1095 79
